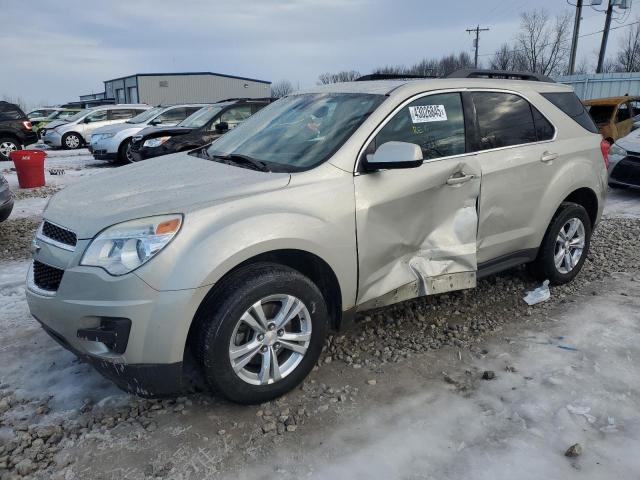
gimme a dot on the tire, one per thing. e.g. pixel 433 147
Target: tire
pixel 124 153
pixel 72 141
pixel 220 329
pixel 8 145
pixel 544 266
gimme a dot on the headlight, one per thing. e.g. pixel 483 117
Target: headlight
pixel 124 247
pixel 616 149
pixel 102 136
pixel 155 142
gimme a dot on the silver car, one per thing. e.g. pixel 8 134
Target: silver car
pixel 76 131
pixel 112 142
pixel 339 199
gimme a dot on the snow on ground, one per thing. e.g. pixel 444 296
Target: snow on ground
pixel 575 380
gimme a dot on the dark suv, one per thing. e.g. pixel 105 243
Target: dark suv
pixel 200 128
pixel 15 129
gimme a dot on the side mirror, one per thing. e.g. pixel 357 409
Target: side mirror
pixel 395 155
pixel 222 127
pixel 155 121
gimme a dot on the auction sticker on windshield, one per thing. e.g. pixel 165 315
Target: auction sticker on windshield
pixel 428 113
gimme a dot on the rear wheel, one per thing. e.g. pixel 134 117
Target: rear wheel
pixel 565 245
pixel 71 141
pixel 7 145
pixel 261 333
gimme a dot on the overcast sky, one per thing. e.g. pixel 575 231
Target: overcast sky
pixel 53 51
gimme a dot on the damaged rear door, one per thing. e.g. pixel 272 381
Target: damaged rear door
pixel 416 227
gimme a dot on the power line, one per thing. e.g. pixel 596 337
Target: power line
pixel 580 36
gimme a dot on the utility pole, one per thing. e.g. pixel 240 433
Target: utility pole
pixel 574 40
pixel 476 42
pixel 605 37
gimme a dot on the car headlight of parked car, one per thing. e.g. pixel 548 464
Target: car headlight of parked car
pixel 616 149
pixel 102 136
pixel 124 247
pixel 155 142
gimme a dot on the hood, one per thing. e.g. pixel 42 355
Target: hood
pixel 56 123
pixel 118 127
pixel 154 132
pixel 631 142
pixel 176 183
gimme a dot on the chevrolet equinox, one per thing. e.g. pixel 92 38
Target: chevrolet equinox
pixel 342 198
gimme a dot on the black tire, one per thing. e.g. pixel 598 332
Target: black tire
pixel 220 312
pixel 9 141
pixel 544 267
pixel 122 152
pixel 69 144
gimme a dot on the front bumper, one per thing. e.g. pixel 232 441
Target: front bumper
pixel 87 297
pixel 104 149
pixel 52 138
pixel 30 138
pixel 625 170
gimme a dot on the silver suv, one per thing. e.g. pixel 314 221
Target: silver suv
pixel 342 198
pixel 113 142
pixel 75 132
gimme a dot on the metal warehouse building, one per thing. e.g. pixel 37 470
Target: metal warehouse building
pixel 193 87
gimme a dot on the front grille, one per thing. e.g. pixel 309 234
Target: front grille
pixel 627 171
pixel 59 234
pixel 46 277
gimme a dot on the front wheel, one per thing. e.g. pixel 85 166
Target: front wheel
pixel 565 245
pixel 124 152
pixel 71 141
pixel 261 333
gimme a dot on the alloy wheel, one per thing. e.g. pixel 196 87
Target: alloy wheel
pixel 72 141
pixel 569 245
pixel 270 339
pixel 6 148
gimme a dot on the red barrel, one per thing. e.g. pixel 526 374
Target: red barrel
pixel 30 167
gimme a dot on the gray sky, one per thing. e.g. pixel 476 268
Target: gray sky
pixel 53 51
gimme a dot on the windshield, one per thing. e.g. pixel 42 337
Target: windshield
pixel 298 132
pixel 201 117
pixel 79 115
pixel 146 115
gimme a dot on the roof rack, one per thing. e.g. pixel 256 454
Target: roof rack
pixel 500 74
pixel 389 76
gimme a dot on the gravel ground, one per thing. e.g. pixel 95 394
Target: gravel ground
pixel 37 441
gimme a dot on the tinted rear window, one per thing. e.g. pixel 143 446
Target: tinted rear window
pixel 570 104
pixel 8 111
pixel 504 119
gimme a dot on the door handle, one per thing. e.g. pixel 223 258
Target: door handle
pixel 459 178
pixel 548 157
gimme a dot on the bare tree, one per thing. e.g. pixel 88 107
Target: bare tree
pixel 431 67
pixel 506 58
pixel 543 42
pixel 281 88
pixel 344 76
pixel 628 59
pixel 584 66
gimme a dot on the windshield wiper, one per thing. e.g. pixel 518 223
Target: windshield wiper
pixel 245 160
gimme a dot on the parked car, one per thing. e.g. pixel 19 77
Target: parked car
pixel 614 116
pixel 624 162
pixel 6 199
pixel 15 130
pixel 197 130
pixel 62 114
pixel 113 142
pixel 76 131
pixel 343 198
pixel 41 113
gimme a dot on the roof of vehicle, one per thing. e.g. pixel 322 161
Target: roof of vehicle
pixel 610 100
pixel 119 105
pixel 411 86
